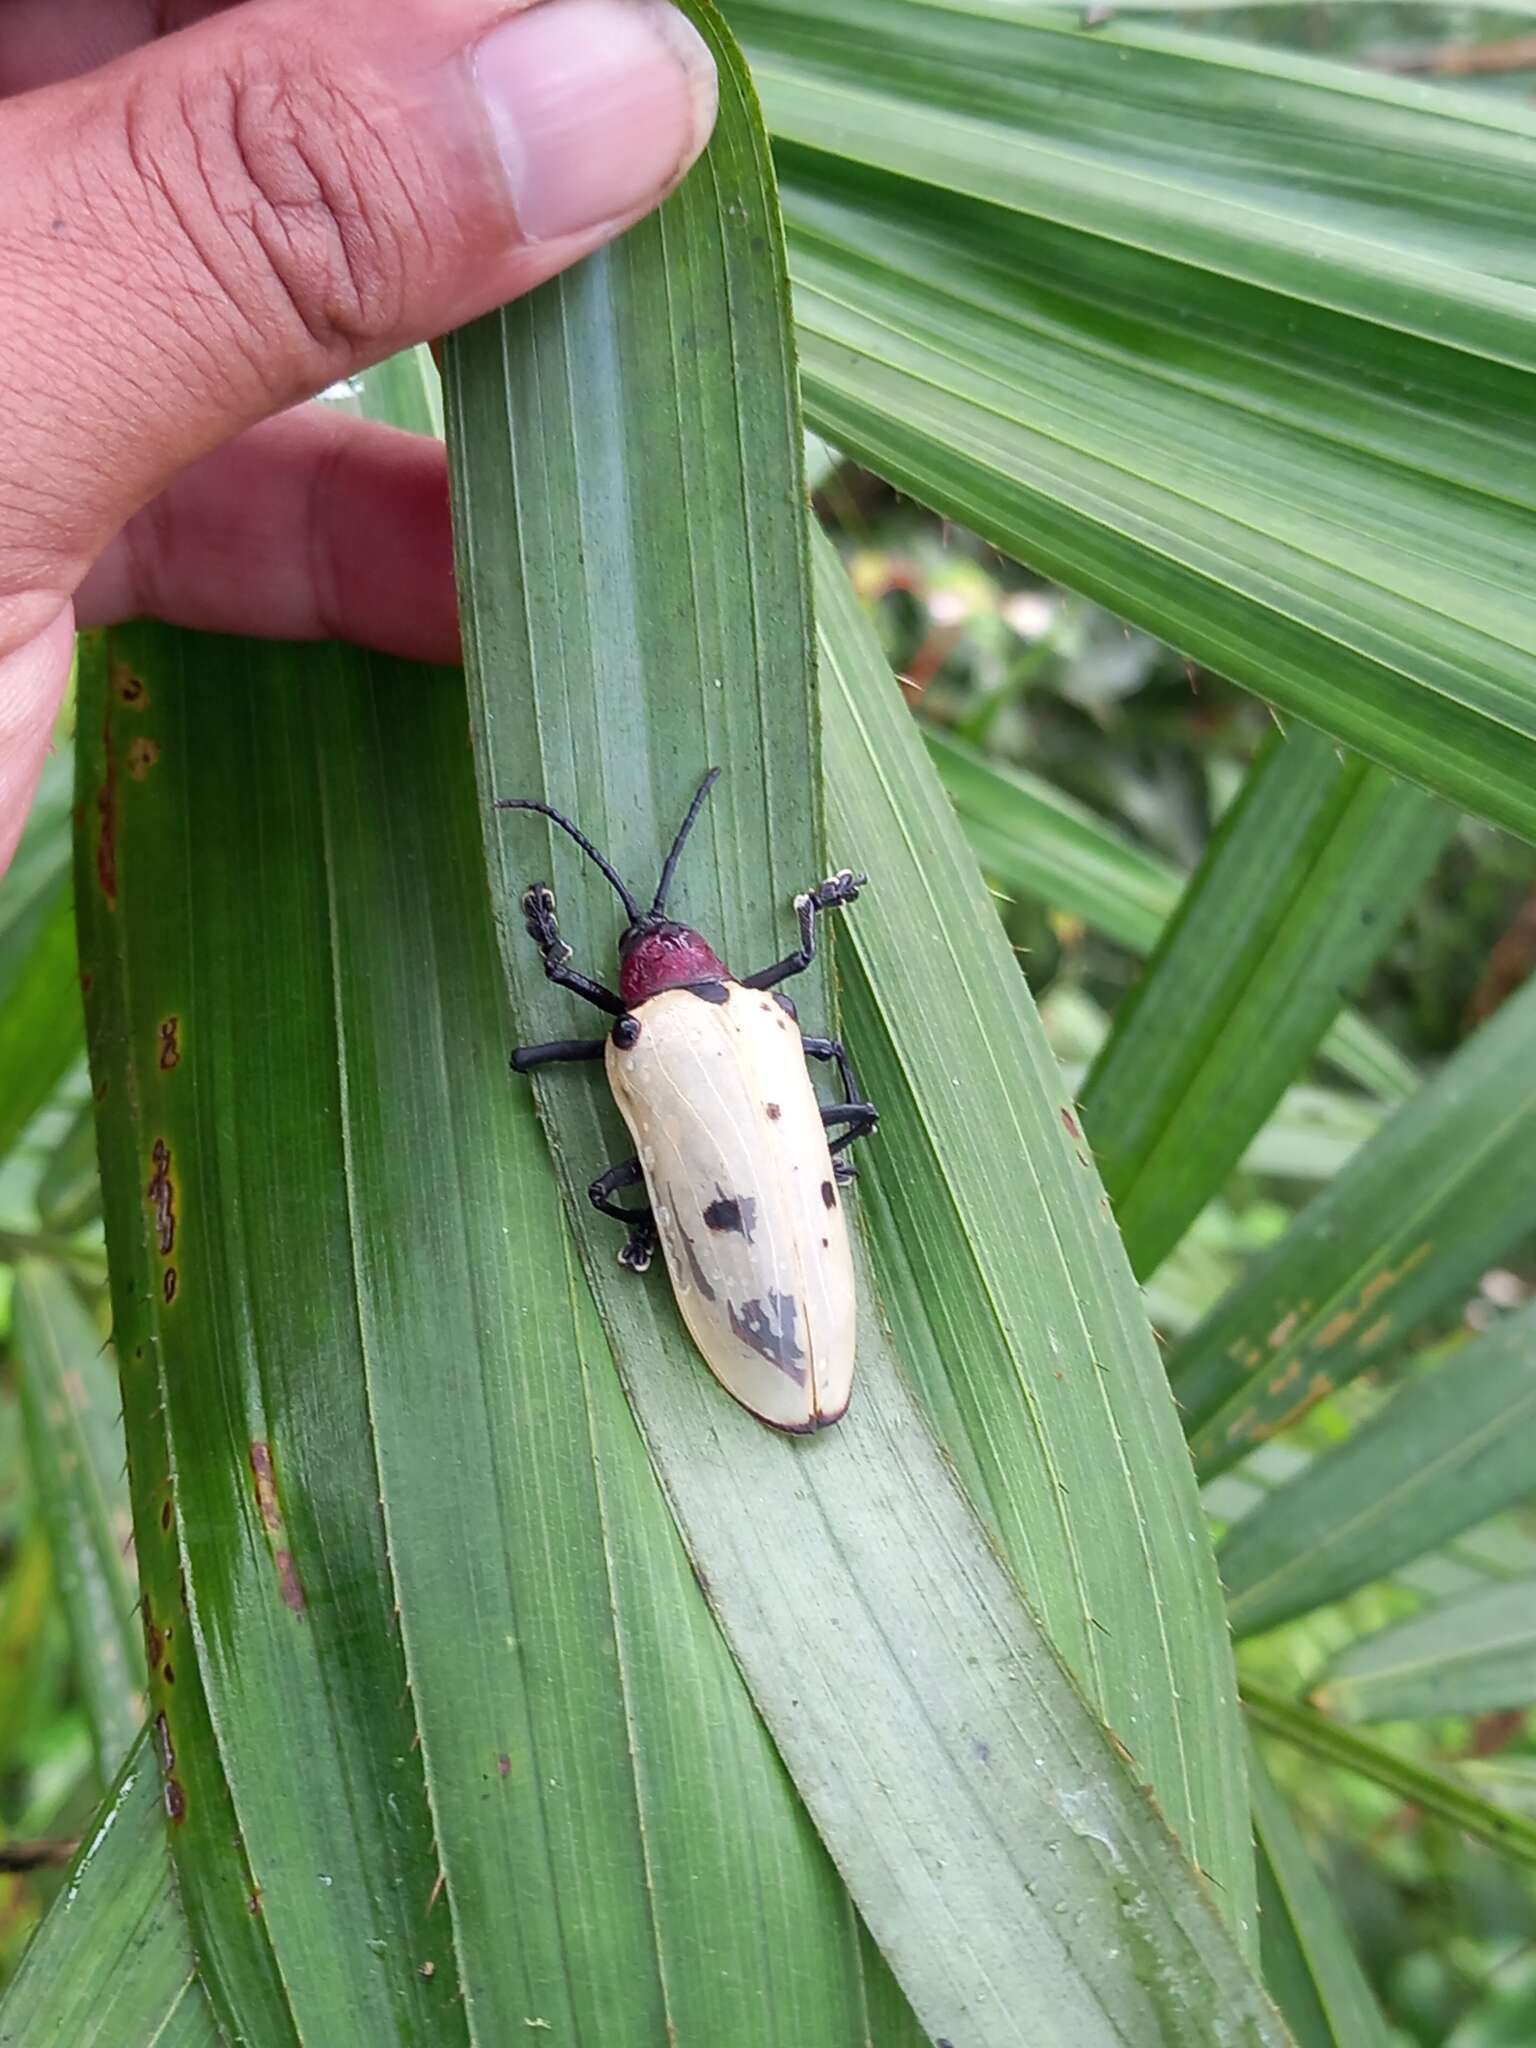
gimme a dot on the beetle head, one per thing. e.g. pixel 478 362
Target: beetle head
pixel 655 953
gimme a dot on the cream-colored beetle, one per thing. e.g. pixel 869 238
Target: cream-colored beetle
pixel 731 1141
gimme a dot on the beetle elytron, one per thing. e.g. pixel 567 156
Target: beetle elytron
pixel 731 1141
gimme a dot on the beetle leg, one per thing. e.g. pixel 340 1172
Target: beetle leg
pixel 837 890
pixel 834 1049
pixel 527 1057
pixel 640 1245
pixel 861 1119
pixel 539 917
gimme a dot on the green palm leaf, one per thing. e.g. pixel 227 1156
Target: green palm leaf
pixel 112 1966
pixel 1308 1963
pixel 1303 884
pixel 1236 342
pixel 69 1399
pixel 1032 838
pixel 1475 1655
pixel 1416 1216
pixel 1449 1449
pixel 653 667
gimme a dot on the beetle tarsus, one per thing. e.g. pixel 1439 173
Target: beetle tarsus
pixel 843 887
pixel 832 894
pixel 859 1119
pixel 544 930
pixel 639 1248
pixel 542 925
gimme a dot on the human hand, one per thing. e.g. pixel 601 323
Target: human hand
pixel 217 222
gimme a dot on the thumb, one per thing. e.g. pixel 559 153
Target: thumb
pixel 228 220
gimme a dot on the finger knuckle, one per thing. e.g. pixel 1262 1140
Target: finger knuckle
pixel 291 189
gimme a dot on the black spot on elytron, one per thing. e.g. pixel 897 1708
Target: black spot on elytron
pixel 626 1033
pixel 700 1279
pixel 770 1332
pixel 731 1212
pixel 709 991
pixel 774 1111
pixel 829 1194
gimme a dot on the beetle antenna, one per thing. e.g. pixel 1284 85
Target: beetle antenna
pixel 527 803
pixel 665 884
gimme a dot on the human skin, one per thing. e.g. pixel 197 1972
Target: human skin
pixel 209 213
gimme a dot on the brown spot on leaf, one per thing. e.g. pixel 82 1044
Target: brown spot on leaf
pixel 1377 1284
pixel 106 823
pixel 1375 1333
pixel 126 687
pixel 288 1583
pixel 503 1766
pixel 266 1487
pixel 175 1800
pixel 170 1048
pixel 1336 1327
pixel 142 756
pixel 164 1748
pixel 1288 1378
pixel 165 1515
pixel 154 1641
pixel 1319 1385
pixel 168 1285
pixel 1284 1330
pixel 170 1674
pixel 253 1901
pixel 162 1199
pixel 1073 1128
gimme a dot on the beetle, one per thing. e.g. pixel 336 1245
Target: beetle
pixel 741 1163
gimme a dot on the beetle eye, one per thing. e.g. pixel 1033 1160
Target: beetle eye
pixel 626 1032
